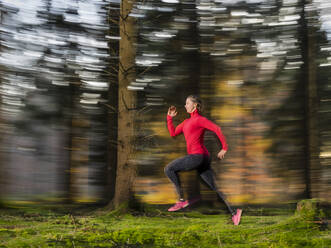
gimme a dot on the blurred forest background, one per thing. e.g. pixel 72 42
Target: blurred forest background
pixel 85 87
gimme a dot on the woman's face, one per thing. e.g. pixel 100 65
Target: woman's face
pixel 190 106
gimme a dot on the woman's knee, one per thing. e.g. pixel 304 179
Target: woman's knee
pixel 171 166
pixel 167 169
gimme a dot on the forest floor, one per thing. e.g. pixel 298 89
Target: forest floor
pixel 66 226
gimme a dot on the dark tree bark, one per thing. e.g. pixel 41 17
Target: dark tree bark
pixel 113 20
pixel 126 169
pixel 312 166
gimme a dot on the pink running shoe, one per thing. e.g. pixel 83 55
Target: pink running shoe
pixel 179 205
pixel 236 217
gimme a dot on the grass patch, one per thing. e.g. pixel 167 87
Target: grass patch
pixel 33 226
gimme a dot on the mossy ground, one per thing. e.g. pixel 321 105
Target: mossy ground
pixel 32 226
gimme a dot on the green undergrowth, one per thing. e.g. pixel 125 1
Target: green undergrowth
pixel 35 226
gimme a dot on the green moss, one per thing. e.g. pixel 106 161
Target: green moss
pixel 152 227
pixel 310 210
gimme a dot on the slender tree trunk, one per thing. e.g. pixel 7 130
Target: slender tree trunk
pixel 312 133
pixel 113 21
pixel 67 189
pixel 126 169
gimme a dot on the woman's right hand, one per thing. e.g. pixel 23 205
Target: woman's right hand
pixel 221 154
pixel 172 111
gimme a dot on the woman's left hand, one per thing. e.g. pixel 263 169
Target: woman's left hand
pixel 221 154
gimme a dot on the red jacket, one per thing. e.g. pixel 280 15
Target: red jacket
pixel 194 129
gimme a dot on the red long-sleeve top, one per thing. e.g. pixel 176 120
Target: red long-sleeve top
pixel 194 129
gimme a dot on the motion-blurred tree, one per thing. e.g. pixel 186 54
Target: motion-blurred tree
pixel 126 168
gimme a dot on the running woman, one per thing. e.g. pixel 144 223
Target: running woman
pixel 198 157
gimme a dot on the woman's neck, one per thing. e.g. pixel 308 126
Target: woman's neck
pixel 194 112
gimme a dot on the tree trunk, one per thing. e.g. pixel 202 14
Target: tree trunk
pixel 126 169
pixel 113 21
pixel 312 169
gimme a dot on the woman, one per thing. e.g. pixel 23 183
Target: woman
pixel 198 157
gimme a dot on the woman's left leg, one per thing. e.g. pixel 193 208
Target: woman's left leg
pixel 186 163
pixel 189 162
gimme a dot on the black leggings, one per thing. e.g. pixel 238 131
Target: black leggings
pixel 198 162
